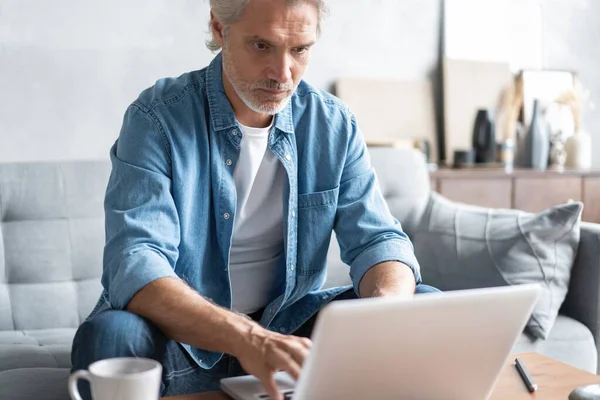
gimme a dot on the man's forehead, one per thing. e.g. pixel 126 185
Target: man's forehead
pixel 300 16
pixel 291 25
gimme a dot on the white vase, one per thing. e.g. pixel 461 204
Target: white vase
pixel 579 150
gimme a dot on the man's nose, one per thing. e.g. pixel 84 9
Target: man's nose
pixel 281 68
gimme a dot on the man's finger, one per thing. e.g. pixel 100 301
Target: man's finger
pixel 298 352
pixel 270 386
pixel 281 360
pixel 306 342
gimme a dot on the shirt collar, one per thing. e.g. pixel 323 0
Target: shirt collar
pixel 222 116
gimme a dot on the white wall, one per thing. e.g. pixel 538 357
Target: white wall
pixel 572 42
pixel 69 68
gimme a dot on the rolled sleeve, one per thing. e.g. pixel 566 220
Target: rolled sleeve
pixel 389 250
pixel 141 219
pixel 367 231
pixel 135 272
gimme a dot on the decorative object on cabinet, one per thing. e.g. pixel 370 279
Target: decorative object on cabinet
pixel 578 145
pixel 558 153
pixel 464 158
pixel 484 137
pixel 534 147
pixel 509 110
pixel 506 153
pixel 468 87
pixel 579 150
pixel 546 86
pixel 392 110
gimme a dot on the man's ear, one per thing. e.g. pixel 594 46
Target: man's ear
pixel 217 29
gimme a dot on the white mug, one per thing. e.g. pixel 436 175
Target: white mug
pixel 120 379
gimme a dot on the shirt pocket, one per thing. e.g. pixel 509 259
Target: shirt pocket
pixel 316 216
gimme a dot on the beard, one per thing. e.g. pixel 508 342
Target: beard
pixel 257 96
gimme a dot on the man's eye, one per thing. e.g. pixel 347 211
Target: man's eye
pixel 260 46
pixel 301 50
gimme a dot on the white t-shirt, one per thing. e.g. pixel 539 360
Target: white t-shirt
pixel 257 242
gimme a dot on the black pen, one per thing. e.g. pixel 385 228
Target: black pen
pixel 532 387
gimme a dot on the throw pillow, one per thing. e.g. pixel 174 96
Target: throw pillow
pixel 464 247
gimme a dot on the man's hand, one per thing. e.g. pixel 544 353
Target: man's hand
pixel 388 279
pixel 262 353
pixel 176 309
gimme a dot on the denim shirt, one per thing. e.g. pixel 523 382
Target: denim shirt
pixel 171 199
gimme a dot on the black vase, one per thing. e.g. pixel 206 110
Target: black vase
pixel 484 137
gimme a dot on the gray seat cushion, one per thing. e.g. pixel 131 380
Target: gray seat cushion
pixel 44 348
pixel 570 342
pixel 34 384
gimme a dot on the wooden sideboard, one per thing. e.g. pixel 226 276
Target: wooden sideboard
pixel 522 189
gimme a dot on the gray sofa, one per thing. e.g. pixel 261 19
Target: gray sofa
pixel 51 239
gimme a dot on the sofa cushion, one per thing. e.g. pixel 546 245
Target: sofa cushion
pixel 403 177
pixel 49 348
pixel 34 383
pixel 462 247
pixel 404 181
pixel 51 241
pixel 569 341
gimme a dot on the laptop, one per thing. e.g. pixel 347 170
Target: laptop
pixel 450 345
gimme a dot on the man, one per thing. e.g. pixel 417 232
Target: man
pixel 225 188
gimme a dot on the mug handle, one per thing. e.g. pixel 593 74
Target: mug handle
pixel 76 376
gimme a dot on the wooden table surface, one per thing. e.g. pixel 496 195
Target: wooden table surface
pixel 555 381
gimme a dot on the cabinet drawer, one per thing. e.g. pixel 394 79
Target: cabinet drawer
pixel 591 200
pixel 496 193
pixel 537 194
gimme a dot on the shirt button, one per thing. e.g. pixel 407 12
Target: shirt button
pixel 226 216
pixel 234 132
pixel 288 157
pixel 291 267
pixel 282 330
pixel 228 162
pixel 293 213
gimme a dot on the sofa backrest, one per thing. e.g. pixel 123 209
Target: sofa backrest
pixel 52 233
pixel 51 242
pixel 404 181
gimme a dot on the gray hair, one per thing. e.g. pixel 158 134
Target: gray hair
pixel 230 11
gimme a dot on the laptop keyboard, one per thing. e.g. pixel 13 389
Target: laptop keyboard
pixel 287 395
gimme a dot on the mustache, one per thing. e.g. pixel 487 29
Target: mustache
pixel 272 85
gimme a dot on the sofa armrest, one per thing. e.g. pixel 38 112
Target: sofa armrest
pixel 583 299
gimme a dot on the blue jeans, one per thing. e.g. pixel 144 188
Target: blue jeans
pixel 115 333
